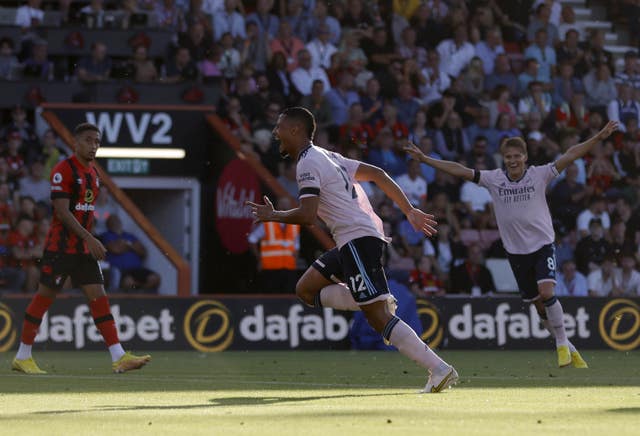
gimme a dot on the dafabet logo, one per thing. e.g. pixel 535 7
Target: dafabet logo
pixel 8 331
pixel 208 327
pixel 619 324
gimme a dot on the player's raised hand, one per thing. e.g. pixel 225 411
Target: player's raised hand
pixel 412 150
pixel 422 222
pixel 96 248
pixel 261 212
pixel 611 127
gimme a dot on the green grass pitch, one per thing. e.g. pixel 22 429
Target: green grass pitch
pixel 321 393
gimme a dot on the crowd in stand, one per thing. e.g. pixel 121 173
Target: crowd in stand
pixel 455 77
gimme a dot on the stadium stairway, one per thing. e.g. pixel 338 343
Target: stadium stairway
pixel 593 15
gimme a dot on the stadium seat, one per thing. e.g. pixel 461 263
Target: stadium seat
pixel 502 275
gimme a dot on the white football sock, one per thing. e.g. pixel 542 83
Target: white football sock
pixel 338 297
pixel 116 351
pixel 409 344
pixel 24 351
pixel 547 325
pixel 555 316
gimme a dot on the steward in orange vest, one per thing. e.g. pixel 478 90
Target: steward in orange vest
pixel 278 247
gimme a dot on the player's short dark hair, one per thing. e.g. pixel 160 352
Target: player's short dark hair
pixel 514 142
pixel 83 127
pixel 304 116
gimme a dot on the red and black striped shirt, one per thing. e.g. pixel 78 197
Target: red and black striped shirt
pixel 80 184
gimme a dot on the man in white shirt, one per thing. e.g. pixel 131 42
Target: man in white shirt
pixel 625 107
pixel 303 76
pixel 489 49
pixel 597 210
pixel 605 280
pixel 413 185
pixel 456 53
pixel 321 48
pixel 229 20
pixel 350 276
pixel 30 14
pixel 571 282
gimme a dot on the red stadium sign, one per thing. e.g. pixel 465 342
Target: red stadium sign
pixel 238 183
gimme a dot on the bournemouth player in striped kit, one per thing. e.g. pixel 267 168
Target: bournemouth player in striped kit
pixel 72 251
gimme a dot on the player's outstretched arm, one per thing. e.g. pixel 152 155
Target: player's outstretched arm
pixel 61 209
pixel 579 150
pixel 304 214
pixel 453 168
pixel 420 221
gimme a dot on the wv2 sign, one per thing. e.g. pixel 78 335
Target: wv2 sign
pixel 133 127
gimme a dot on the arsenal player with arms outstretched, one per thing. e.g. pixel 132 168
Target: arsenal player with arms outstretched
pixel 72 251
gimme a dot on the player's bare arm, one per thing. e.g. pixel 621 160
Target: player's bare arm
pixel 579 150
pixel 420 221
pixel 304 214
pixel 453 168
pixel 61 209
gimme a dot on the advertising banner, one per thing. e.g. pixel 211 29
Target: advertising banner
pixel 283 323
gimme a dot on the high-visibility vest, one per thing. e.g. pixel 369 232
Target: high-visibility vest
pixel 278 247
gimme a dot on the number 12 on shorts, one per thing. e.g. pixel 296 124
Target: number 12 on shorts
pixel 357 284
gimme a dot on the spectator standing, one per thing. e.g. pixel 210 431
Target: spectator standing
pixel 625 107
pixel 267 23
pixel 29 15
pixel 321 49
pixel 318 104
pixel 305 74
pixel 276 246
pixel 544 53
pixel 341 97
pixel 287 44
pixel 489 49
pixel 413 185
pixel 321 18
pixel 456 53
pixel 501 76
pixel 229 20
pixel 600 88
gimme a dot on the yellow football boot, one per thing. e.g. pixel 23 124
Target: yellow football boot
pixel 28 366
pixel 130 362
pixel 578 361
pixel 564 357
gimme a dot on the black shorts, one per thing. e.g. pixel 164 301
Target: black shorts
pixel 330 266
pixel 532 269
pixel 82 268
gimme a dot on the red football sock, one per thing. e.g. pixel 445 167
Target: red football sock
pixel 101 313
pixel 33 317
